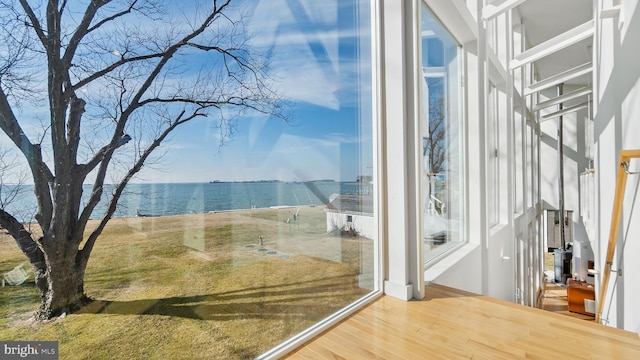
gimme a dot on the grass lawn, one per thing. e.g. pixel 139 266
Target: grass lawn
pixel 197 286
pixel 548 261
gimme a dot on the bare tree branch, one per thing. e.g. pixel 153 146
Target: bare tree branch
pixel 35 23
pixel 92 102
pixel 112 67
pixel 42 175
pixel 22 237
pixel 135 101
pixel 111 208
pixel 112 17
pixel 81 31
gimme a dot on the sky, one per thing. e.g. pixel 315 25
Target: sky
pixel 313 52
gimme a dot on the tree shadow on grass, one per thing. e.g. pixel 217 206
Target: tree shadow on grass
pixel 313 299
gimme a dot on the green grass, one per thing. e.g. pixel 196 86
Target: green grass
pixel 196 287
pixel 548 261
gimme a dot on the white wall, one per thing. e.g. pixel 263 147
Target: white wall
pixel 617 127
pixel 481 266
pixel 502 265
pixel 364 225
pixel 486 265
pixel 463 274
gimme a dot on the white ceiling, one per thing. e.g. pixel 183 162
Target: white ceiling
pixel 545 19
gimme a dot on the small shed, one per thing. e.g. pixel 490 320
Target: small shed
pixel 351 212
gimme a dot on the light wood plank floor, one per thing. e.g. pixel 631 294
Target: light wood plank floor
pixel 452 324
pixel 554 298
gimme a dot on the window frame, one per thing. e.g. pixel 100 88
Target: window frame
pixel 379 254
pixel 459 112
pixel 493 155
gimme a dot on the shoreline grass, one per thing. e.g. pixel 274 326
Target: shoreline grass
pixel 196 286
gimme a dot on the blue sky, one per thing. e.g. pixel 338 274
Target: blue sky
pixel 312 48
pixel 312 54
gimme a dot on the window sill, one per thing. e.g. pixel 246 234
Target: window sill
pixel 438 268
pixel 497 228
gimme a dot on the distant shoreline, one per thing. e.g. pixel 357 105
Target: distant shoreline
pixel 158 199
pixel 225 182
pixel 275 207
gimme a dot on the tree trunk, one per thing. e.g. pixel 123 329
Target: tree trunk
pixel 61 287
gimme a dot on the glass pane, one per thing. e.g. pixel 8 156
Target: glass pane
pixel 440 124
pixel 493 175
pixel 243 233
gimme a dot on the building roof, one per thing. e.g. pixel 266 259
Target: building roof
pixel 351 203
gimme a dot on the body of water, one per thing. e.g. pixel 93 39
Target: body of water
pixel 176 199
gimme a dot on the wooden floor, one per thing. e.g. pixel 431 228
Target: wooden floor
pixel 554 298
pixel 451 324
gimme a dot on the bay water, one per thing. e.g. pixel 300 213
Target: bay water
pixel 187 198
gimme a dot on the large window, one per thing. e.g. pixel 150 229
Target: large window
pixel 249 229
pixel 441 175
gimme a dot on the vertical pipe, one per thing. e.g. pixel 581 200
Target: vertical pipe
pixel 561 175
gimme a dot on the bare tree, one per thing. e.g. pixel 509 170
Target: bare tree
pixel 435 146
pixel 117 77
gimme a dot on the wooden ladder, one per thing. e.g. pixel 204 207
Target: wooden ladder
pixel 616 217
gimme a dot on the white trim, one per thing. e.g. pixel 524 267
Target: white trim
pixel 565 111
pixel 398 290
pixel 380 198
pixel 401 76
pixel 434 71
pixel 497 73
pixel 446 262
pixel 583 91
pixel 559 78
pixel 458 84
pixel 415 262
pixel 611 13
pixel 457 19
pixel 550 46
pixel 491 11
pixel 308 334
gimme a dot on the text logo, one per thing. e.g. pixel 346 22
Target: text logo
pixel 33 350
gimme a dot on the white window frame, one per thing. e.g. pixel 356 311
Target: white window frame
pixel 455 17
pixel 380 265
pixel 459 112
